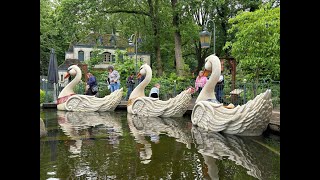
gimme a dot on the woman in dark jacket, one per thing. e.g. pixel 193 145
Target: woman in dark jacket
pixel 130 85
pixel 91 84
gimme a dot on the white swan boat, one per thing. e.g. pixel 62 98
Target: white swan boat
pixel 69 101
pixel 250 119
pixel 141 105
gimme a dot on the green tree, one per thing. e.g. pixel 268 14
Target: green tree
pixel 169 29
pixel 46 33
pixel 219 11
pixel 256 43
pixel 52 34
pixel 96 58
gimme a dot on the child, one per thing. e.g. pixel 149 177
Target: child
pixel 201 80
pixel 154 92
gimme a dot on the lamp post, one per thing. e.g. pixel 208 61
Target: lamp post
pixel 134 48
pixel 205 37
pixel 43 80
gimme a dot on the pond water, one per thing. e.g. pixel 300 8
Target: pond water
pixel 115 145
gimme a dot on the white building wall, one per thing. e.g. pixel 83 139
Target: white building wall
pixel 87 53
pixel 69 55
pixel 145 58
pixel 62 82
pixel 87 50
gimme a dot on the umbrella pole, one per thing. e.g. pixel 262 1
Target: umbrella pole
pixel 54 93
pixel 46 91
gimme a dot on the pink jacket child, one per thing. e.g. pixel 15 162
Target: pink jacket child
pixel 200 81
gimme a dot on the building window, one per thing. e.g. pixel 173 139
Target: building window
pixel 91 54
pixel 107 57
pixel 121 57
pixel 141 59
pixel 61 78
pixel 113 58
pixel 81 55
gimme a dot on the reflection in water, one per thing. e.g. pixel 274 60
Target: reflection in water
pixel 89 125
pixel 142 126
pixel 102 146
pixel 43 130
pixel 216 145
pixel 212 167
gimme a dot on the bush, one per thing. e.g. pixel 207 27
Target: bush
pixel 42 96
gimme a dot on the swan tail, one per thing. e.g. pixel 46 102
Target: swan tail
pixel 92 103
pixel 148 106
pixel 178 105
pixel 174 107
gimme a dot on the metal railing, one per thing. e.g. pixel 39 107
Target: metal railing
pixel 245 91
pixel 49 90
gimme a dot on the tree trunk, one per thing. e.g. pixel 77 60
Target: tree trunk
pixel 177 40
pixel 158 58
pixel 154 14
pixel 178 54
pixel 200 58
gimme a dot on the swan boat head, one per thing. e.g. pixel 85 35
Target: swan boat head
pixel 67 91
pixel 146 71
pixel 213 66
pixel 72 70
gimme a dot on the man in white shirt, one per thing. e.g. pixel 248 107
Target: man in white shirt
pixel 114 78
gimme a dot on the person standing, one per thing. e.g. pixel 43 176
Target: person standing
pixel 130 85
pixel 141 79
pixel 154 92
pixel 201 80
pixel 114 78
pixel 91 85
pixel 219 88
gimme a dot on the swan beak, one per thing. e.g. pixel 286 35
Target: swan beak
pixel 206 72
pixel 138 75
pixel 67 75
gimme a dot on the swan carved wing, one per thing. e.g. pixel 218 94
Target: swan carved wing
pixel 91 103
pixel 250 119
pixel 174 107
